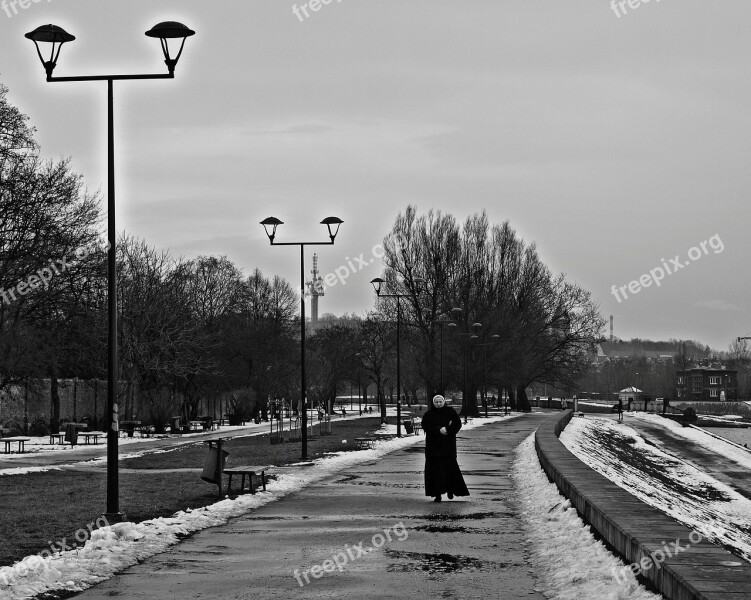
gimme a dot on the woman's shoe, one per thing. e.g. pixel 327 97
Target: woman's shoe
pixel 437 499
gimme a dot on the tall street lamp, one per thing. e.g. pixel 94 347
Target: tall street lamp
pixel 378 287
pixel 56 37
pixel 495 337
pixel 441 323
pixel 270 224
pixel 471 334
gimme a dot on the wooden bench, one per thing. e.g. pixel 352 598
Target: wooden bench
pixel 87 435
pixel 249 472
pixel 21 441
pixel 57 438
pixel 365 443
pixel 417 427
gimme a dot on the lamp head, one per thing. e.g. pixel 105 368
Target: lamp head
pixel 332 222
pixel 272 223
pixel 50 34
pixel 377 283
pixel 170 30
pixel 476 325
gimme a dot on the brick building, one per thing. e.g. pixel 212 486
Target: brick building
pixel 707 384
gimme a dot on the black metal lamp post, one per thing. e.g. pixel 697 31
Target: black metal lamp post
pixel 56 37
pixel 494 337
pixel 472 335
pixel 441 323
pixel 270 224
pixel 378 287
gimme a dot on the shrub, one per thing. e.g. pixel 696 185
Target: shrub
pixel 689 417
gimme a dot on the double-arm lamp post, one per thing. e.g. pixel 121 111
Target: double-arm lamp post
pixel 495 337
pixel 378 287
pixel 56 37
pixel 270 224
pixel 471 334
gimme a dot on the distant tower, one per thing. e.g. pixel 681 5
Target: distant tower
pixel 611 328
pixel 315 288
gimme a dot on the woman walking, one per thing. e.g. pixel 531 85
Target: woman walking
pixel 442 474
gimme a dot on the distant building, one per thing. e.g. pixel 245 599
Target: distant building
pixel 706 384
pixel 631 396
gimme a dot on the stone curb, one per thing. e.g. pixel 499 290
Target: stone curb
pixel 636 530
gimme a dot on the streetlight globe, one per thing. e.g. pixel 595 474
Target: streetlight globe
pixel 169 30
pixel 332 222
pixel 377 283
pixel 50 34
pixel 272 222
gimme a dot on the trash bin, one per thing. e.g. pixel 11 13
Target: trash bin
pixel 326 425
pixel 408 426
pixel 212 470
pixel 175 424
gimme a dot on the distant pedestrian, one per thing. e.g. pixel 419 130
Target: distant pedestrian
pixel 665 405
pixel 620 409
pixel 563 404
pixel 442 473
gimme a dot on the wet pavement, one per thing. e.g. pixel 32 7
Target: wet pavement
pixel 369 532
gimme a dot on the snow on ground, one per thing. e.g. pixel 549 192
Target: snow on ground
pixel 704 439
pixel 593 403
pixel 573 565
pixel 115 547
pixel 662 480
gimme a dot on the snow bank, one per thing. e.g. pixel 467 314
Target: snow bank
pixel 573 565
pixel 724 448
pixel 663 481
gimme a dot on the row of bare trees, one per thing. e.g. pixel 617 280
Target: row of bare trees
pixel 188 329
pixel 535 326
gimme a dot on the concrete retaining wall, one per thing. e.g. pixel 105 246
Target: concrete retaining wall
pixel 637 531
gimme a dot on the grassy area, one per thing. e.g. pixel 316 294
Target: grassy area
pixel 40 509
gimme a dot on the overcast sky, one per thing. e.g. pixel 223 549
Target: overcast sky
pixel 616 143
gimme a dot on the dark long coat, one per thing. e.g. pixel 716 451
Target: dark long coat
pixel 442 473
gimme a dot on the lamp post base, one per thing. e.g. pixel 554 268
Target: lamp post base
pixel 117 517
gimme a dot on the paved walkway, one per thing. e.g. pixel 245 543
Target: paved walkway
pixel 466 548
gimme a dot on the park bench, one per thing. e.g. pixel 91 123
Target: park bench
pixel 57 438
pixel 21 441
pixel 365 443
pixel 129 427
pixel 88 435
pixel 249 472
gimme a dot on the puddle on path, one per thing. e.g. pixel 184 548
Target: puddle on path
pixel 436 563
